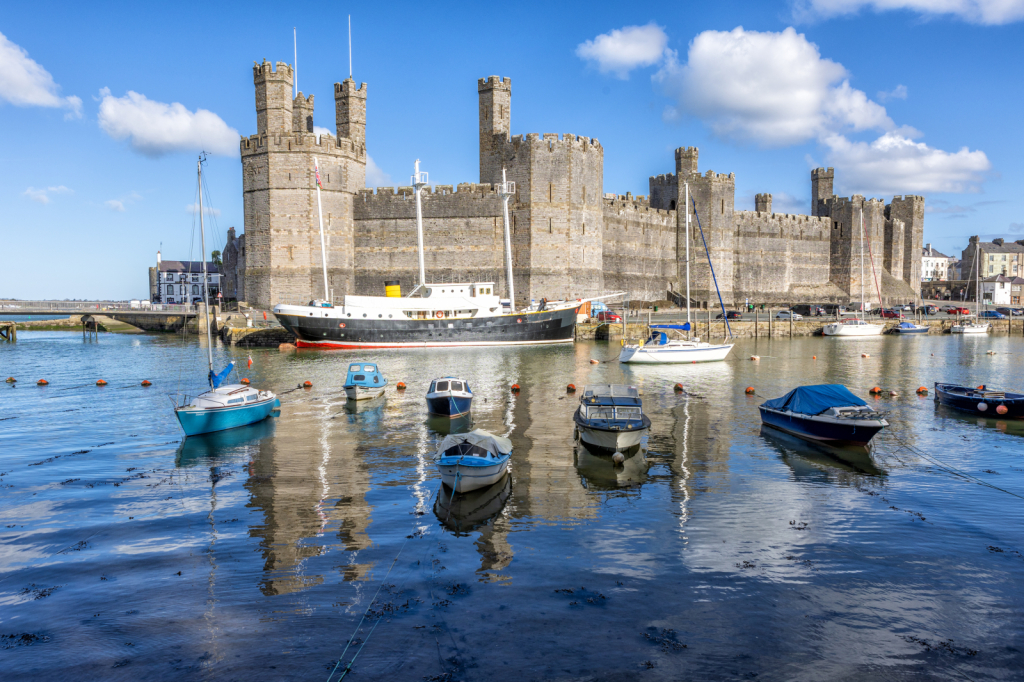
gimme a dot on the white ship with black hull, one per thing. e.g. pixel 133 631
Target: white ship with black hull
pixel 468 314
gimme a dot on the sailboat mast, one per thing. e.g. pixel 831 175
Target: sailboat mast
pixel 687 209
pixel 206 278
pixel 862 301
pixel 419 181
pixel 320 214
pixel 507 189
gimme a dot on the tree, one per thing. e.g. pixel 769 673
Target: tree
pixel 215 257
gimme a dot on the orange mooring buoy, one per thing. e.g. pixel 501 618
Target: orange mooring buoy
pixel 922 390
pixel 400 385
pixel 101 382
pixel 875 391
pixel 515 388
pixel 678 388
pixel 245 381
pixel 571 388
pixel 307 384
pixel 147 382
pixel 594 362
pixel 11 380
pixel 814 357
pixel 750 390
pixel 42 382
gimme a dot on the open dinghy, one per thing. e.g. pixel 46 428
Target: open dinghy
pixel 981 401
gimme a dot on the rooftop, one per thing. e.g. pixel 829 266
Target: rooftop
pixel 187 266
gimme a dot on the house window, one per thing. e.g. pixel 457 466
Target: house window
pixel 170 289
pixel 195 289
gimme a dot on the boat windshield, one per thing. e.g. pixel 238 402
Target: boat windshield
pixel 442 386
pixel 354 368
pixel 608 412
pixel 457 386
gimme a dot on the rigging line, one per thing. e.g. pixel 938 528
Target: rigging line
pixel 871 259
pixel 949 468
pixel 713 278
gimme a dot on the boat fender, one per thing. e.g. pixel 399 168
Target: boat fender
pixel 1001 409
pixel 618 458
pixel 101 382
pixel 922 391
pixel 571 388
pixel 982 407
pixel 147 382
pixel 750 390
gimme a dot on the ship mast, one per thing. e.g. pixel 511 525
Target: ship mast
pixel 507 189
pixel 419 181
pixel 687 209
pixel 323 247
pixel 206 278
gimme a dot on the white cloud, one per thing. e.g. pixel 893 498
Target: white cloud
pixel 42 196
pixel 624 49
pixel 207 210
pixel 24 83
pixel 375 177
pixel 318 131
pixel 155 128
pixel 990 12
pixel 899 92
pixel 894 164
pixel 114 205
pixel 772 88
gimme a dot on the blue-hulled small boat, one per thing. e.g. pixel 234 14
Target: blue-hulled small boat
pixel 364 381
pixel 910 328
pixel 981 401
pixel 826 412
pixel 449 397
pixel 474 460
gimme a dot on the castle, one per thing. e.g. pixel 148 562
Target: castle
pixel 569 238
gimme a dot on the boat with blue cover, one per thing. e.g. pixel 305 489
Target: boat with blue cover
pixel 981 401
pixel 826 412
pixel 223 406
pixel 910 328
pixel 449 397
pixel 364 381
pixel 611 419
pixel 474 460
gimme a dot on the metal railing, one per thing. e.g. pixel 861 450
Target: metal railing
pixel 15 306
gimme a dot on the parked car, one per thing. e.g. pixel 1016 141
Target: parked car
pixel 787 314
pixel 808 309
pixel 992 315
pixel 609 316
pixel 833 308
pixel 892 313
pixel 731 315
pixel 1010 311
pixel 928 310
pixel 957 310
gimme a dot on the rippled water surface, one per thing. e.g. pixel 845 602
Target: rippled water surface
pixel 726 553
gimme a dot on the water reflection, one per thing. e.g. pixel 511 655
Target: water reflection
pixel 600 472
pixel 464 512
pixel 797 453
pixel 195 449
pixel 1012 427
pixel 446 425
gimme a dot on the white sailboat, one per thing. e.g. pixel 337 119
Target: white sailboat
pixel 966 326
pixel 856 326
pixel 660 349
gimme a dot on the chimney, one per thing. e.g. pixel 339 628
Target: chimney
pixel 930 249
pixel 157 260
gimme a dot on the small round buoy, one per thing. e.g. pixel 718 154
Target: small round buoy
pixel 695 362
pixel 400 386
pixel 875 390
pixel 814 357
pixel 11 380
pixel 147 382
pixel 922 390
pixel 991 352
pixel 515 388
pixel 1001 409
pixel 893 393
pixel 749 390
pixel 101 382
pixel 571 388
pixel 981 388
pixel 678 388
pixel 594 362
pixel 865 355
pixel 42 382
pixel 307 384
pixel 755 357
pixel 618 458
pixel 982 407
pixel 245 381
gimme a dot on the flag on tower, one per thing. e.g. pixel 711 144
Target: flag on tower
pixel 317 169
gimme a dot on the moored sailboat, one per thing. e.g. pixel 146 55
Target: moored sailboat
pixel 856 326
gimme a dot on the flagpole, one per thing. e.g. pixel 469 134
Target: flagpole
pixel 323 246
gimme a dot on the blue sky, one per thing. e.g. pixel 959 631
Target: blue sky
pixel 107 104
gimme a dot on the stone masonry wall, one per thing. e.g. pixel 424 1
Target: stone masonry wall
pixel 639 249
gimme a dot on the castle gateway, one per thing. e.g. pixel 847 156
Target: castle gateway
pixel 569 238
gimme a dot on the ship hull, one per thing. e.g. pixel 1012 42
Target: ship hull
pixel 550 326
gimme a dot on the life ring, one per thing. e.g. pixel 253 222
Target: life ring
pixel 439 314
pixel 342 325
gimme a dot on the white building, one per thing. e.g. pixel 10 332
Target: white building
pixel 934 265
pixel 175 281
pixel 996 290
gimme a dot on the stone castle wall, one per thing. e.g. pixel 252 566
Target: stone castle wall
pixel 639 248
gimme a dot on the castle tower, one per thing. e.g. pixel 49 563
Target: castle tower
pixel 910 210
pixel 283 262
pixel 846 245
pixel 350 111
pixel 763 203
pixel 686 161
pixel 495 95
pixel 273 98
pixel 893 248
pixel 821 190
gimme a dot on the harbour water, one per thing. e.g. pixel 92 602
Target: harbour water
pixel 726 553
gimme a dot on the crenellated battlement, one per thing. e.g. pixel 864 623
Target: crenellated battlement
pixel 266 71
pixel 554 141
pixel 494 83
pixel 347 88
pixel 406 193
pixel 299 141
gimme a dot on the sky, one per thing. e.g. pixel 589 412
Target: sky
pixel 107 105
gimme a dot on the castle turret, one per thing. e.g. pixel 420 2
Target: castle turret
pixel 350 111
pixel 302 114
pixel 273 98
pixel 495 96
pixel 821 190
pixel 686 161
pixel 763 203
pixel 910 210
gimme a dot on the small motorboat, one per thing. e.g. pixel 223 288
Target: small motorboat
pixel 474 460
pixel 449 397
pixel 826 412
pixel 610 418
pixel 981 401
pixel 910 328
pixel 364 381
pixel 660 349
